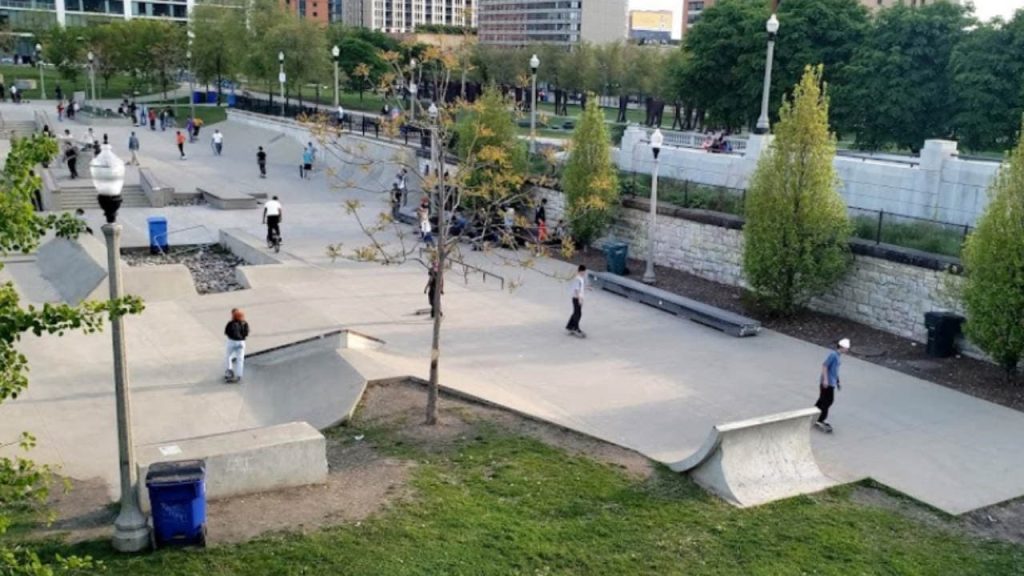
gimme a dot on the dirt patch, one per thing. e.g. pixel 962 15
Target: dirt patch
pixel 974 377
pixel 362 480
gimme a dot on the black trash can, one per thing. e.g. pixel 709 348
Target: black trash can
pixel 615 254
pixel 943 330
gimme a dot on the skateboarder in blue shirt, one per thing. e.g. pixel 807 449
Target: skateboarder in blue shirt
pixel 829 382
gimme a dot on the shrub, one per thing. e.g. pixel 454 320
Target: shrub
pixel 797 229
pixel 590 179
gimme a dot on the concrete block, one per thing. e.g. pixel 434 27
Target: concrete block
pixel 760 460
pixel 157 192
pixel 229 199
pixel 249 248
pixel 245 461
pixel 75 268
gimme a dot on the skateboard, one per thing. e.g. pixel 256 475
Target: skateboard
pixel 576 333
pixel 826 428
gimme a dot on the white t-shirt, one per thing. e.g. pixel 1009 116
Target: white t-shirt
pixel 218 138
pixel 273 208
pixel 578 286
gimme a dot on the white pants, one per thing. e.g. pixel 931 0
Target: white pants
pixel 135 157
pixel 236 353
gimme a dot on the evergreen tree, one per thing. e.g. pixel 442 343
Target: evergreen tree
pixel 590 180
pixel 489 148
pixel 797 230
pixel 994 261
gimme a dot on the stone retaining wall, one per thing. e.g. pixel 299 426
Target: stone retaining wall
pixel 887 295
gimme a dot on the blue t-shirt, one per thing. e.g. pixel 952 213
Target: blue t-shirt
pixel 832 366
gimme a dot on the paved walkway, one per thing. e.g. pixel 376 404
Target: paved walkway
pixel 642 379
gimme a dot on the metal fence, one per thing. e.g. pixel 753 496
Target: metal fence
pixel 685 193
pixel 922 234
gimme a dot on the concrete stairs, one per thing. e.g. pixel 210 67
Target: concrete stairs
pixel 17 128
pixel 74 197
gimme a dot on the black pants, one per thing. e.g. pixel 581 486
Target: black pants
pixel 577 312
pixel 273 228
pixel 826 396
pixel 72 167
pixel 181 150
pixel 263 169
pixel 430 296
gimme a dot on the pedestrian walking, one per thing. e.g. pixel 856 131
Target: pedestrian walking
pixel 579 286
pixel 217 140
pixel 189 127
pixel 133 147
pixel 426 231
pixel 307 163
pixel 434 283
pixel 261 160
pixel 71 157
pixel 196 125
pixel 541 220
pixel 401 185
pixel 237 330
pixel 828 383
pixel 60 110
pixel 152 119
pixel 181 143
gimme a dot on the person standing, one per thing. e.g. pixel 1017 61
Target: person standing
pixel 433 284
pixel 180 138
pixel 152 119
pixel 579 286
pixel 237 330
pixel 59 93
pixel 541 220
pixel 218 142
pixel 829 382
pixel 60 110
pixel 401 185
pixel 261 159
pixel 71 157
pixel 133 147
pixel 272 212
pixel 307 162
pixel 426 231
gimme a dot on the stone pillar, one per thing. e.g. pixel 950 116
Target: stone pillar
pixel 927 186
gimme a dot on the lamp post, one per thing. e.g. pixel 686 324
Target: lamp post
pixel 131 531
pixel 657 139
pixel 772 26
pixel 534 65
pixel 42 81
pixel 412 88
pixel 335 52
pixel 432 114
pixel 281 77
pixel 191 79
pixel 92 73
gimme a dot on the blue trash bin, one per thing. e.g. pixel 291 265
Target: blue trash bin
pixel 157 234
pixel 198 97
pixel 177 496
pixel 232 100
pixel 615 254
pixel 211 97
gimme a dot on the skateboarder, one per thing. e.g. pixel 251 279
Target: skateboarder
pixel 272 213
pixel 261 159
pixel 829 382
pixel 579 285
pixel 237 330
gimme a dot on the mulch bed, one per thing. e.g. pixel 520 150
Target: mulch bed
pixel 974 377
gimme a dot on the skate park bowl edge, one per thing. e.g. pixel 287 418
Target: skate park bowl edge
pixel 760 460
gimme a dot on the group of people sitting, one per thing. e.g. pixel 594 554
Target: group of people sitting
pixel 717 143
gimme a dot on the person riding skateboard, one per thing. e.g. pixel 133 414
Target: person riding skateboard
pixel 237 330
pixel 828 383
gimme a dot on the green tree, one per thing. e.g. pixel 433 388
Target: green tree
pixel 219 43
pixel 898 89
pixel 63 49
pixel 797 230
pixel 488 144
pixel 993 291
pixel 23 484
pixel 590 179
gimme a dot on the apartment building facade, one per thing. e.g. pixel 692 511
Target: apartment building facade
pixel 559 22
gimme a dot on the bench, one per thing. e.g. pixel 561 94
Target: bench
pixel 728 322
pixel 229 199
pixel 756 461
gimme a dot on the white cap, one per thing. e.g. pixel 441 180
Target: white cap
pixel 844 343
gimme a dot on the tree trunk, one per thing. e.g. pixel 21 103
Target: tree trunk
pixel 220 79
pixel 437 158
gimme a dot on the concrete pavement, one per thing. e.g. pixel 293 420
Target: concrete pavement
pixel 643 379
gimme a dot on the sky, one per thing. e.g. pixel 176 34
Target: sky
pixel 985 9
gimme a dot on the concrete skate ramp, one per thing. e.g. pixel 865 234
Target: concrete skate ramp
pixel 371 165
pixel 306 381
pixel 757 461
pixel 75 268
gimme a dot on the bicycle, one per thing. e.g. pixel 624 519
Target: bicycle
pixel 274 241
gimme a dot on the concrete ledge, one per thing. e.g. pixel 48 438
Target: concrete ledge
pixel 75 269
pixel 158 194
pixel 229 200
pixel 245 461
pixel 757 461
pixel 251 249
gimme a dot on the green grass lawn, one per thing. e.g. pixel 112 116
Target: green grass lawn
pixel 119 84
pixel 496 503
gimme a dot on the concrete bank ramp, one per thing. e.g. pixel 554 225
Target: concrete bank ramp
pixel 77 269
pixel 757 461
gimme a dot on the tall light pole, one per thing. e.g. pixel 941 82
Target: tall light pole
pixel 131 531
pixel 412 88
pixel 534 65
pixel 335 53
pixel 42 81
pixel 657 139
pixel 191 79
pixel 281 78
pixel 92 75
pixel 432 114
pixel 772 26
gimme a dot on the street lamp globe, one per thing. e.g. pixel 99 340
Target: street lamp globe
pixel 280 57
pixel 412 89
pixel 534 63
pixel 335 52
pixel 90 56
pixel 107 172
pixel 432 111
pixel 412 64
pixel 188 54
pixel 657 139
pixel 772 26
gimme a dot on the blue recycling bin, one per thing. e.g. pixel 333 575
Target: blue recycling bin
pixel 157 234
pixel 177 496
pixel 232 100
pixel 198 97
pixel 615 254
pixel 211 97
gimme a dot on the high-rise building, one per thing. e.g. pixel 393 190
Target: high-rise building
pixel 559 22
pixel 23 15
pixel 402 16
pixel 317 10
pixel 650 25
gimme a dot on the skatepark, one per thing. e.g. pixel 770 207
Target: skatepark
pixel 643 379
